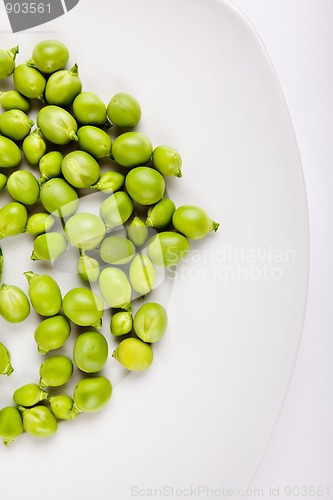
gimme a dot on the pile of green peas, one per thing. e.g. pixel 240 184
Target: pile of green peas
pixel 61 153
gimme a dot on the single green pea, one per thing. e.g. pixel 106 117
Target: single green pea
pixel 59 198
pixel 5 361
pixel 150 322
pixel 29 395
pixel 121 323
pixel 84 230
pixel 39 223
pixel 13 219
pixel 10 153
pixel 49 56
pixel 3 181
pixel 14 304
pixel 116 209
pixel 50 165
pixel 55 371
pixel 83 307
pixel 193 222
pixel 15 124
pixel 23 186
pixel 11 425
pixel 7 62
pixel 167 248
pixel 44 293
pixel 14 100
pixel 91 394
pixel 1 264
pixel 88 268
pixel 57 125
pixel 124 110
pixel 49 246
pixel 89 109
pixel 34 147
pixel 39 421
pixel 52 333
pixel 29 82
pixel 145 185
pixel 80 169
pixel 160 215
pixel 142 274
pixel 167 161
pixel 137 231
pixel 115 288
pixel 134 354
pixel 62 406
pixel 132 149
pixel 63 86
pixel 109 182
pixel 117 250
pixel 94 141
pixel 90 351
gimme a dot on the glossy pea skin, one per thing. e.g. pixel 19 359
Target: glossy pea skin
pixel 115 288
pixel 5 361
pixel 142 274
pixel 62 406
pixel 50 165
pixel 55 371
pixel 44 293
pixel 34 147
pixel 39 421
pixel 167 161
pixel 59 198
pixel 145 185
pixel 49 246
pixel 49 56
pixel 80 169
pixel 11 425
pixel 137 231
pixel 116 209
pixel 14 304
pixel 89 109
pixel 94 141
pixel 14 100
pixel 23 186
pixel 15 124
pixel 7 62
pixel 10 154
pixel 109 182
pixel 52 333
pixel 13 219
pixel 63 86
pixel 29 82
pixel 193 222
pixel 132 149
pixel 134 354
pixel 87 268
pixel 84 230
pixel 39 223
pixel 29 395
pixel 3 181
pixel 160 215
pixel 150 322
pixel 124 110
pixel 117 250
pixel 57 125
pixel 90 351
pixel 167 248
pixel 92 393
pixel 83 307
pixel 121 323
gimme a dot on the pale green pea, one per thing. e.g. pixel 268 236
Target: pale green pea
pixel 5 361
pixel 15 124
pixel 134 354
pixel 52 333
pixel 49 56
pixel 145 185
pixel 14 100
pixel 39 421
pixel 83 307
pixel 11 425
pixel 80 169
pixel 124 110
pixel 91 394
pixel 167 161
pixel 3 181
pixel 115 288
pixel 84 230
pixel 117 250
pixel 87 268
pixel 90 351
pixel 14 304
pixel 63 86
pixel 44 293
pixel 49 246
pixel 7 61
pixel 94 141
pixel 29 82
pixel 109 182
pixel 160 215
pixel 13 219
pixel 150 322
pixel 121 323
pixel 167 248
pixel 59 198
pixel 116 209
pixel 55 371
pixel 137 231
pixel 10 153
pixel 50 165
pixel 39 223
pixel 132 149
pixel 142 274
pixel 62 406
pixel 23 186
pixel 193 222
pixel 89 109
pixel 57 125
pixel 34 147
pixel 29 395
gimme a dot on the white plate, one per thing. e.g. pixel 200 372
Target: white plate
pixel 201 417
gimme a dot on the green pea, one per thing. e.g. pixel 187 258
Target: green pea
pixel 167 248
pixel 90 351
pixel 44 293
pixel 29 82
pixel 137 231
pixel 39 223
pixel 116 209
pixel 7 62
pixel 109 182
pixel 55 371
pixel 62 406
pixel 50 165
pixel 14 304
pixel 117 250
pixel 63 86
pixel 10 153
pixel 94 141
pixel 23 186
pixel 29 395
pixel 84 230
pixel 15 124
pixel 121 323
pixel 160 215
pixel 14 100
pixel 88 268
pixel 91 394
pixel 3 181
pixel 52 333
pixel 134 354
pixel 59 198
pixel 39 421
pixel 84 307
pixel 145 185
pixel 193 222
pixel 49 246
pixel 11 425
pixel 115 288
pixel 5 361
pixel 34 147
pixel 80 169
pixel 150 322
pixel 142 274
pixel 124 110
pixel 89 109
pixel 13 219
pixel 49 56
pixel 167 161
pixel 132 149
pixel 57 125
